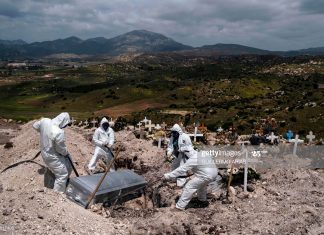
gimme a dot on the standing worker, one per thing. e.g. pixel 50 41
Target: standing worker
pixel 53 148
pixel 181 148
pixel 103 139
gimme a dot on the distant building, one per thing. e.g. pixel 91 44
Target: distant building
pixel 16 65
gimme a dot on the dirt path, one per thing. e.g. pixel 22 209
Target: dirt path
pixel 125 109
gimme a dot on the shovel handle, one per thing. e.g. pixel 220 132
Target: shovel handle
pixel 102 179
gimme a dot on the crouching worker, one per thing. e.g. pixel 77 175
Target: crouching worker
pixel 205 171
pixel 103 139
pixel 53 149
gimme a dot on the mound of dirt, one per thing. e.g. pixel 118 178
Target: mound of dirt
pixel 283 201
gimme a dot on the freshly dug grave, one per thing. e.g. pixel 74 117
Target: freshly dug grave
pixel 283 201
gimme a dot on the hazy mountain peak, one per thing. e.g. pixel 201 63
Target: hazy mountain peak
pixel 13 42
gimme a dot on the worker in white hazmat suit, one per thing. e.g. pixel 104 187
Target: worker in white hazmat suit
pixel 103 139
pixel 205 171
pixel 179 149
pixel 53 148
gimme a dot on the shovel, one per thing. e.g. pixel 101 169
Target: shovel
pixel 102 179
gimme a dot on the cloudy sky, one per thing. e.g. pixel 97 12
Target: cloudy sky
pixel 266 24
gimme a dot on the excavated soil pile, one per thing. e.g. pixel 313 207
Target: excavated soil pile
pixel 283 201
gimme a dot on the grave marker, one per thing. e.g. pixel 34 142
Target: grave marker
pixel 272 137
pixel 73 121
pixel 220 129
pixel 310 137
pixel 195 134
pixel 163 125
pixel 295 141
pixel 246 162
pixel 94 122
pixel 289 135
pixel 150 125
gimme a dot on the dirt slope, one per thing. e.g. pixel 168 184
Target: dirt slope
pixel 283 202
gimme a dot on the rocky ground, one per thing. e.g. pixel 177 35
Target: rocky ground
pixel 284 201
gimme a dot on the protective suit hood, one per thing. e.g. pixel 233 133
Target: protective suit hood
pixel 177 128
pixel 61 120
pixel 103 120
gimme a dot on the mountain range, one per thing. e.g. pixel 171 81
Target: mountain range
pixel 137 41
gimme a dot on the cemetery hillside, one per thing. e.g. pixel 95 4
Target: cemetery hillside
pixel 217 91
pixel 160 137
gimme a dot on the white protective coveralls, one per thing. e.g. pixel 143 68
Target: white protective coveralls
pixel 205 171
pixel 101 139
pixel 53 149
pixel 183 147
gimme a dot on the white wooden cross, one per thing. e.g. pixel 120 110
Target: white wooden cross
pixel 139 125
pixel 80 123
pixel 242 143
pixel 145 120
pixel 111 122
pixel 295 141
pixel 73 121
pixel 86 123
pixel 157 127
pixel 163 125
pixel 310 137
pixel 220 129
pixel 94 122
pixel 150 125
pixel 272 137
pixel 195 134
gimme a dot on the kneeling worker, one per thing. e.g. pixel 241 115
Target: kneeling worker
pixel 103 139
pixel 53 149
pixel 205 171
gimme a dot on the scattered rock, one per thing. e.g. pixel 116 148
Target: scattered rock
pixel 250 188
pixel 8 145
pixel 6 212
pixel 1 188
pixel 9 189
pixel 40 216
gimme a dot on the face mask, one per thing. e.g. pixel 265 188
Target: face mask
pixel 105 126
pixel 175 134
